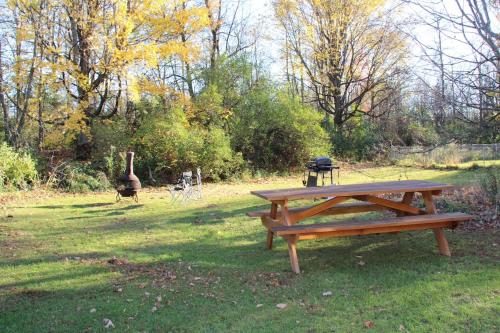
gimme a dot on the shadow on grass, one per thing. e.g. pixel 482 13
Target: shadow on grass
pixel 406 261
pixel 403 263
pixel 89 205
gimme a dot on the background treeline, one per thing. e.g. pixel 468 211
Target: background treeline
pixel 189 83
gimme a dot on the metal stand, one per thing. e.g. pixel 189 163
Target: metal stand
pixel 313 175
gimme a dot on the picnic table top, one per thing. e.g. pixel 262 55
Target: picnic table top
pixel 351 190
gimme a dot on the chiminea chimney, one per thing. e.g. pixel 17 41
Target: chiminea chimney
pixel 128 184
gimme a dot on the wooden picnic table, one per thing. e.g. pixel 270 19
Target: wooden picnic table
pixel 282 221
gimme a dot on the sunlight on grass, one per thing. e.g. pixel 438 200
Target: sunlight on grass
pixel 208 263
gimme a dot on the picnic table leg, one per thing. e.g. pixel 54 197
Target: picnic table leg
pixel 430 207
pixel 407 199
pixel 292 240
pixel 270 234
pixel 292 251
pixel 269 242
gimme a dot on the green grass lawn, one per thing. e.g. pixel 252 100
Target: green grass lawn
pixel 204 268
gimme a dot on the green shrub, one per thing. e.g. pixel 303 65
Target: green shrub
pixel 168 145
pixel 359 139
pixel 275 132
pixel 110 141
pixel 17 169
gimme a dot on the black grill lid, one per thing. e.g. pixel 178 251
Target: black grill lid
pixel 321 163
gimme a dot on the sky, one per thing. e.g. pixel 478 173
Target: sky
pixel 263 10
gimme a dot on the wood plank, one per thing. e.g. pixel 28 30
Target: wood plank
pixel 430 208
pixel 292 252
pixel 313 210
pixel 347 208
pixel 274 210
pixel 370 224
pixel 269 241
pixel 397 206
pixel 269 223
pixel 351 190
pixel 443 246
pixel 408 198
pixel 285 215
pixel 270 234
pixel 377 230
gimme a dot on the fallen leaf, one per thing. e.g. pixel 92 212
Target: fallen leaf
pixel 158 298
pixel 361 263
pixel 281 305
pixel 327 293
pixel 402 328
pixel 154 309
pixel 93 310
pixel 146 294
pixel 260 305
pixel 368 324
pixel 108 323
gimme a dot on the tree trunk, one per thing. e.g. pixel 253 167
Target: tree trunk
pixel 214 31
pixel 3 105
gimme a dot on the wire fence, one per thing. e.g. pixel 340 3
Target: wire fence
pixel 447 154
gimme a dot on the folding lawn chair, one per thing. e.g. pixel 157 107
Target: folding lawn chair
pixel 185 188
pixel 182 188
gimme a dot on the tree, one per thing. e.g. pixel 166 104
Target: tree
pixel 351 52
pixel 469 67
pixel 87 48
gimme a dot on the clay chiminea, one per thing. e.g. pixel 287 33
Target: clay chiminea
pixel 128 185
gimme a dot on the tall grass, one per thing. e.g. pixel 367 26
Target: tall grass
pixel 450 154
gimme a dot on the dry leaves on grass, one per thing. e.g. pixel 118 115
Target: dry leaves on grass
pixel 368 324
pixel 474 202
pixel 161 274
pixel 108 323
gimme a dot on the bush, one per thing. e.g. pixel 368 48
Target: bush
pixel 274 131
pixel 358 140
pixel 167 144
pixel 78 177
pixel 490 185
pixel 110 141
pixel 17 169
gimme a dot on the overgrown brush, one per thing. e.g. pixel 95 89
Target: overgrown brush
pixel 78 177
pixel 490 186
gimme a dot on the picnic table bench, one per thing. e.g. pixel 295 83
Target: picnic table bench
pixel 282 221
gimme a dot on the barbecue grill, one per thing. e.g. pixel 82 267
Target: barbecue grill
pixel 316 168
